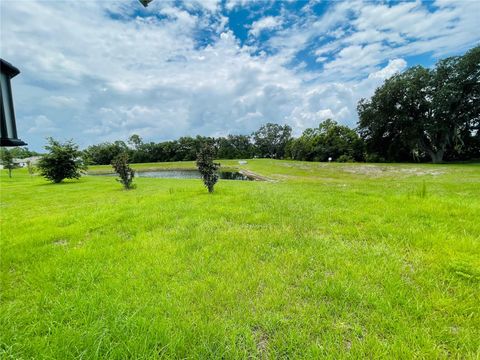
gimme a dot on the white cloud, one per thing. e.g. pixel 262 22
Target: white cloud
pixel 209 5
pixel 42 125
pixel 232 4
pixel 394 66
pixel 62 101
pixel 101 74
pixel 266 23
pixel 373 33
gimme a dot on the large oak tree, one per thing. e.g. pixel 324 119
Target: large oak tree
pixel 424 111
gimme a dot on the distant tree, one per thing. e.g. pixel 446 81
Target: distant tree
pixel 303 147
pixel 7 161
pixel 425 112
pixel 124 171
pixel 206 166
pixel 22 152
pixel 271 140
pixel 234 147
pixel 329 140
pixel 63 161
pixel 188 147
pixel 135 141
pixel 103 154
pixel 345 158
pixel 168 150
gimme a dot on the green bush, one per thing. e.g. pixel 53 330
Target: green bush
pixel 63 161
pixel 124 171
pixel 345 158
pixel 206 166
pixel 374 158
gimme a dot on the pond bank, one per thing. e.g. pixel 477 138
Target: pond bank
pixel 186 173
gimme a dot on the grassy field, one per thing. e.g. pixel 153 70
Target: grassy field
pixel 322 261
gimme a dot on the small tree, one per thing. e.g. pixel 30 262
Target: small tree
pixel 124 171
pixel 206 166
pixel 63 161
pixel 7 161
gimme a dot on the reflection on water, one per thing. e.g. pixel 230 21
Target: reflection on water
pixel 233 175
pixel 170 174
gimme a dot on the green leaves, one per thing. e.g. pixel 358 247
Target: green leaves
pixel 423 111
pixel 328 140
pixel 6 159
pixel 124 171
pixel 271 140
pixel 206 166
pixel 63 161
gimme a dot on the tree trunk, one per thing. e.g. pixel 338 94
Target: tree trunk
pixel 437 157
pixel 436 150
pixel 10 173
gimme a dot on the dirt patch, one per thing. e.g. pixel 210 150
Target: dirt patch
pixel 376 171
pixel 347 344
pixel 261 340
pixel 420 172
pixel 254 176
pixel 60 242
pixel 311 166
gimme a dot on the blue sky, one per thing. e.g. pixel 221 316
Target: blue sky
pixel 99 71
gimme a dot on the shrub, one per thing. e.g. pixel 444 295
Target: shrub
pixel 62 162
pixel 374 158
pixel 124 171
pixel 206 166
pixel 345 158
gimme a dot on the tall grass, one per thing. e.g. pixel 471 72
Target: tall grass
pixel 323 261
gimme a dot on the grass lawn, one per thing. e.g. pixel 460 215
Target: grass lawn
pixel 324 261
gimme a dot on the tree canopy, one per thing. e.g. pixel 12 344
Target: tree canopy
pixel 206 166
pixel 271 140
pixel 103 154
pixel 20 152
pixel 186 148
pixel 63 161
pixel 6 159
pixel 425 112
pixel 328 140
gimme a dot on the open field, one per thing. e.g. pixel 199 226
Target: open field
pixel 323 261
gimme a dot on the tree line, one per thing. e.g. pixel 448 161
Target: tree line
pixel 329 140
pixel 419 115
pixel 269 141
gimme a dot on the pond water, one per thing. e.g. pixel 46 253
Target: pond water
pixel 186 174
pixel 190 174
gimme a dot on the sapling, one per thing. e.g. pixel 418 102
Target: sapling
pixel 206 166
pixel 124 171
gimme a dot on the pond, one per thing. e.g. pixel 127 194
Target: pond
pixel 186 174
pixel 190 174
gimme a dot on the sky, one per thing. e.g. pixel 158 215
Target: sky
pixel 96 71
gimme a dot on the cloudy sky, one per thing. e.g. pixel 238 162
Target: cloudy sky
pixel 100 70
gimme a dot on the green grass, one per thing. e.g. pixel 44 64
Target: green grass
pixel 325 261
